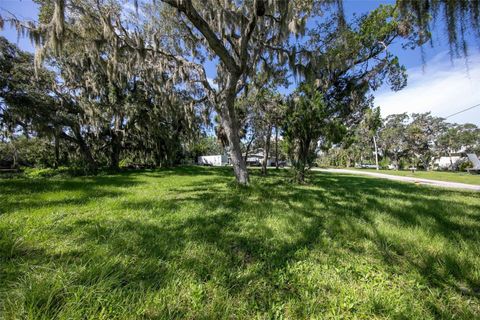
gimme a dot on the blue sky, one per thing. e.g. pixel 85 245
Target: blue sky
pixel 442 85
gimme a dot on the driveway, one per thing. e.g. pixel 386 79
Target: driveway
pixel 436 183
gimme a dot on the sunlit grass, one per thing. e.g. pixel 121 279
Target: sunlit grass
pixel 462 177
pixel 187 243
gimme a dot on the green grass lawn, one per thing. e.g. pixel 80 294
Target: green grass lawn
pixel 187 244
pixel 462 177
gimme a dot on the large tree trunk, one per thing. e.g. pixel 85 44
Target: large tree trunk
pixel 266 151
pixel 302 161
pixel 276 147
pixel 85 149
pixel 117 138
pixel 115 155
pixel 87 154
pixel 230 124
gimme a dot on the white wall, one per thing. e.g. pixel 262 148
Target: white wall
pixel 216 160
pixel 444 162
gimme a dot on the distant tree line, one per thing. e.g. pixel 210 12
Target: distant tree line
pixel 405 141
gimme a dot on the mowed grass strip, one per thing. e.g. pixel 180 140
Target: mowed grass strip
pixel 461 177
pixel 187 244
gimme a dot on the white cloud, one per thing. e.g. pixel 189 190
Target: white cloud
pixel 441 88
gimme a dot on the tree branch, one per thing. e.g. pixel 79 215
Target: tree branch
pixel 216 45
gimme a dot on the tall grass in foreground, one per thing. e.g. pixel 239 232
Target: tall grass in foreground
pixel 185 243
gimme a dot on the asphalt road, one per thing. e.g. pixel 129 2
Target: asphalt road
pixel 436 183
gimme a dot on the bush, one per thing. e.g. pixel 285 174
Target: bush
pixel 462 164
pixel 50 172
pixel 384 163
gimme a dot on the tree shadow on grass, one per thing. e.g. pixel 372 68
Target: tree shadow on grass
pixel 245 239
pixel 431 210
pixel 226 171
pixel 20 194
pixel 348 199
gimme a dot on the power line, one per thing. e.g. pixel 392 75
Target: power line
pixel 454 114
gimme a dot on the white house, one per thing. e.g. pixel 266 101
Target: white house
pixel 256 159
pixel 216 160
pixel 444 163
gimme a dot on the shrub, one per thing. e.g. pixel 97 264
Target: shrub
pixel 463 164
pixel 51 172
